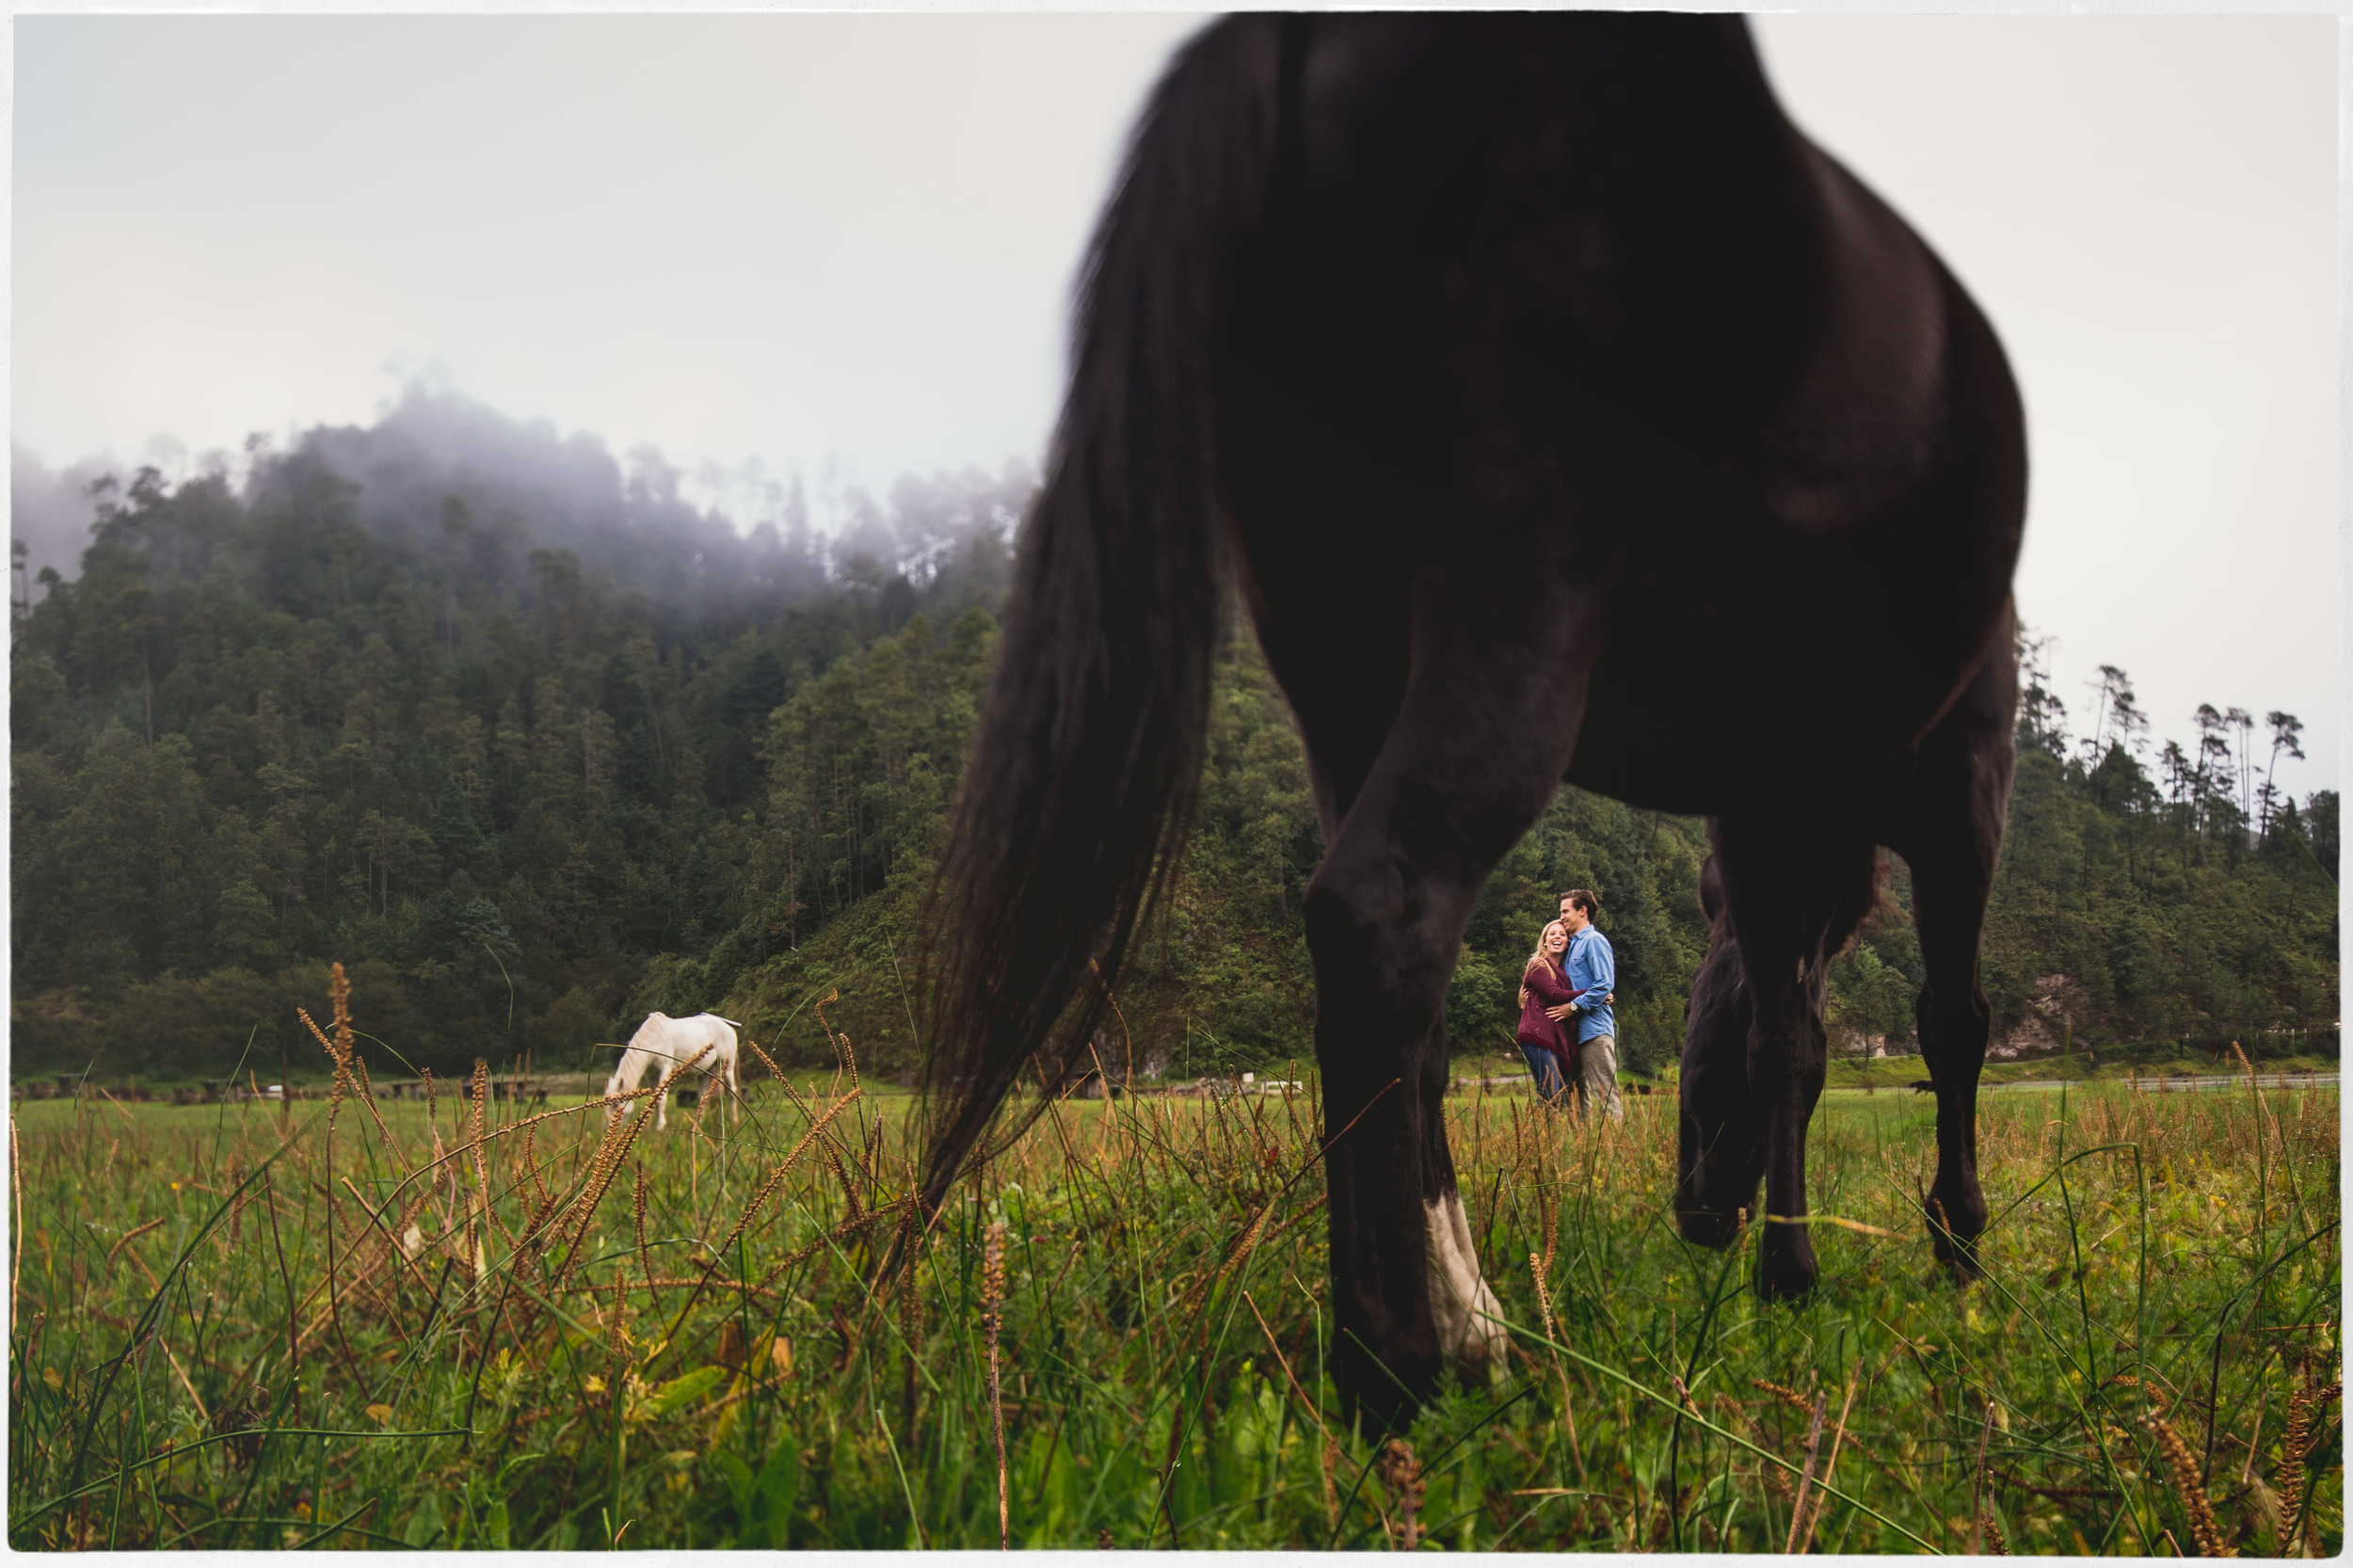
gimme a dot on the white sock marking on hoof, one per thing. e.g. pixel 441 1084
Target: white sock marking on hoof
pixel 1467 1316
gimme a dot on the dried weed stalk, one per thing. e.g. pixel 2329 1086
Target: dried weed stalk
pixel 2183 1466
pixel 2304 1404
pixel 1400 1476
pixel 1837 1442
pixel 619 1341
pixel 637 1207
pixel 992 1323
pixel 1552 1334
pixel 479 1135
pixel 1805 1477
pixel 612 1149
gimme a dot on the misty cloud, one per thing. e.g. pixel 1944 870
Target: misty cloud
pixel 448 476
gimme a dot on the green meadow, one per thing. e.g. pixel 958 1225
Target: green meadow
pixel 350 1322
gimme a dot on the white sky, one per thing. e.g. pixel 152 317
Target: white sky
pixel 843 245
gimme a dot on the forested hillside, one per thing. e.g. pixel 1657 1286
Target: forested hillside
pixel 531 747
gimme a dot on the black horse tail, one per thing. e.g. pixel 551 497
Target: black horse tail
pixel 1081 782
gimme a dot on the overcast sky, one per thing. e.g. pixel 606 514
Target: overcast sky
pixel 841 245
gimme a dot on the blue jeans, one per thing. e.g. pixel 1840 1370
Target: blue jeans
pixel 1545 1069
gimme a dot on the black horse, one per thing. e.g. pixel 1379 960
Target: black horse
pixel 1561 412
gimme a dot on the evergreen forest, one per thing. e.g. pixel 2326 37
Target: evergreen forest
pixel 533 746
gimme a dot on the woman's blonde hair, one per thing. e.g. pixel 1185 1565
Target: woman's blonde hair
pixel 1540 955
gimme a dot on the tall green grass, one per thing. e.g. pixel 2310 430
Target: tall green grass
pixel 227 1334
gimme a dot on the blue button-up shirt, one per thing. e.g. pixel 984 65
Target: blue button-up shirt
pixel 1592 969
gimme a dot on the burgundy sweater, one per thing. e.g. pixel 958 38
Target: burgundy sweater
pixel 1545 989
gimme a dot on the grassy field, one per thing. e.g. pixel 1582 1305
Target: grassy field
pixel 361 1323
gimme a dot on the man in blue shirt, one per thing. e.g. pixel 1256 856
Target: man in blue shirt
pixel 1592 969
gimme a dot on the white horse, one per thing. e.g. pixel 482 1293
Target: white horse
pixel 661 1043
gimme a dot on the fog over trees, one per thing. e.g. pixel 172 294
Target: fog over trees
pixel 50 511
pixel 533 743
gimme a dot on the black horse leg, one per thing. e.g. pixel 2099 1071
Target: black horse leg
pixel 1796 892
pixel 1721 1152
pixel 1475 749
pixel 1951 836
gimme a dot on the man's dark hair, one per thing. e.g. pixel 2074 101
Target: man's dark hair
pixel 1583 900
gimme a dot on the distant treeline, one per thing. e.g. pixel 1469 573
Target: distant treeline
pixel 534 746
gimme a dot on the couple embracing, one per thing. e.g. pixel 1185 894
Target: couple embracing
pixel 1567 1030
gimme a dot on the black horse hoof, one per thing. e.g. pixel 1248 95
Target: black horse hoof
pixel 1785 1280
pixel 1958 1256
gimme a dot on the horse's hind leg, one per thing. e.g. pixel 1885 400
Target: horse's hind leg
pixel 1797 890
pixel 1478 745
pixel 1951 835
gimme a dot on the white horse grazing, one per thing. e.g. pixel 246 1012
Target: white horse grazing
pixel 661 1043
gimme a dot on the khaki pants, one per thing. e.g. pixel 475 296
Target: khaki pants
pixel 1597 1079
